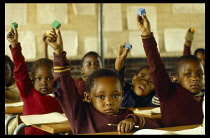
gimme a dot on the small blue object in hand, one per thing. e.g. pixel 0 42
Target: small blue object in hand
pixel 141 11
pixel 128 46
pixel 56 24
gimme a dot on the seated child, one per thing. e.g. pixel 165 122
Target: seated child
pixel 141 93
pixel 34 91
pixel 103 97
pixel 180 101
pixel 91 62
pixel 12 93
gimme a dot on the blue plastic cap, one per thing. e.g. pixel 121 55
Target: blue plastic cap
pixel 128 46
pixel 141 11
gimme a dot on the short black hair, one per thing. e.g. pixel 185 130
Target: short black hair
pixel 202 50
pixel 11 63
pixel 91 53
pixel 143 67
pixel 182 60
pixel 39 62
pixel 101 73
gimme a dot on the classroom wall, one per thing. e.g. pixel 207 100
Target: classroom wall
pixel 169 22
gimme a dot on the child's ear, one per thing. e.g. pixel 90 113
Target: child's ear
pixel 87 97
pixel 174 79
pixel 82 71
pixel 133 79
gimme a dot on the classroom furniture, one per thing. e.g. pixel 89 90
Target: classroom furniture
pixel 177 128
pixel 13 111
pixel 65 127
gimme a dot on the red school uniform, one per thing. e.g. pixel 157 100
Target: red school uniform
pixel 34 102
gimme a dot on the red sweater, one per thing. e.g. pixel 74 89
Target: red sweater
pixel 178 106
pixel 34 102
pixel 187 50
pixel 82 116
pixel 81 86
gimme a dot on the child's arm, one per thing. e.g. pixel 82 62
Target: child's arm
pixel 122 54
pixel 22 78
pixel 45 45
pixel 159 75
pixel 188 42
pixel 64 84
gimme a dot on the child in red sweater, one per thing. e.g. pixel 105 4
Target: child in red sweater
pixel 180 101
pixel 103 97
pixel 34 91
pixel 91 62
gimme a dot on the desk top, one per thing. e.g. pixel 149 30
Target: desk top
pixel 65 127
pixel 54 128
pixel 177 128
pixel 14 110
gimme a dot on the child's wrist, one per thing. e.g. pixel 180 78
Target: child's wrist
pixel 147 36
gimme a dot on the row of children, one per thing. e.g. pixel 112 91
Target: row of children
pixel 101 92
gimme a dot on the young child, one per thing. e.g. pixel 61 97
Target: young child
pixel 199 52
pixel 34 91
pixel 12 93
pixel 180 102
pixel 141 93
pixel 103 97
pixel 91 62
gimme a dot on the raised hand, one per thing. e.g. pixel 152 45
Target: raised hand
pixel 123 52
pixel 54 39
pixel 143 24
pixel 12 37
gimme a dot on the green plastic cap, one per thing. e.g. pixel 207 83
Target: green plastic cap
pixel 56 24
pixel 14 25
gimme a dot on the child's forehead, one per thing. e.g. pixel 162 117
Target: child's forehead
pixel 191 64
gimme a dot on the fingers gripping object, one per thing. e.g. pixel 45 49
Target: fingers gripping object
pixel 127 45
pixel 141 11
pixel 56 24
pixel 14 25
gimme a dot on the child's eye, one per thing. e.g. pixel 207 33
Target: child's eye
pixel 149 82
pixel 115 96
pixel 100 96
pixel 50 78
pixel 38 79
pixel 187 74
pixel 200 74
pixel 141 76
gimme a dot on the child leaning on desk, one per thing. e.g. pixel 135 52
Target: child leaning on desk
pixel 180 101
pixel 34 91
pixel 103 97
pixel 141 92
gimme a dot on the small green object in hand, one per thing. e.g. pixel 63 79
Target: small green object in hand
pixel 14 25
pixel 56 24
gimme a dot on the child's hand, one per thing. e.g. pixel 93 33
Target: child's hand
pixel 12 37
pixel 143 24
pixel 126 125
pixel 122 52
pixel 189 35
pixel 54 39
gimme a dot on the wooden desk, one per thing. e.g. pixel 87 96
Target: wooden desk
pixel 14 110
pixel 177 128
pixel 55 128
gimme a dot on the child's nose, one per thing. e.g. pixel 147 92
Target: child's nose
pixel 143 82
pixel 109 101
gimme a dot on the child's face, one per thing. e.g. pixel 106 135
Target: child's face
pixel 106 95
pixel 142 83
pixel 91 63
pixel 43 79
pixel 191 76
pixel 8 73
pixel 201 56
